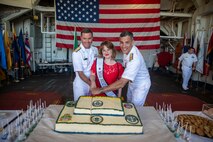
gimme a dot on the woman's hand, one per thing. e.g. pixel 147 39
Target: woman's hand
pixel 96 91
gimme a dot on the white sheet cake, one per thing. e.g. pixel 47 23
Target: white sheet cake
pixel 86 122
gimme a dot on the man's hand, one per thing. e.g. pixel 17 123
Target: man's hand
pixel 95 91
pixel 193 68
pixel 178 67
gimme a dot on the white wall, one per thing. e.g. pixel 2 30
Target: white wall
pixel 48 45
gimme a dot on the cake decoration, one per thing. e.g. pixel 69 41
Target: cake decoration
pixel 96 119
pixel 131 119
pixel 70 104
pixel 97 103
pixel 110 117
pixel 66 117
pixel 128 105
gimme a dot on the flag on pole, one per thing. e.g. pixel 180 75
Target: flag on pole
pixel 27 50
pixel 2 75
pixel 209 55
pixel 107 19
pixel 7 45
pixel 75 39
pixel 16 51
pixel 192 41
pixel 185 47
pixel 200 56
pixel 195 45
pixel 22 47
pixel 3 63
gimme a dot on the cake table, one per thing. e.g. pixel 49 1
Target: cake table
pixel 154 129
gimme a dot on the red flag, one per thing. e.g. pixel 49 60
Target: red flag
pixel 195 44
pixel 107 19
pixel 210 46
pixel 206 68
pixel 210 50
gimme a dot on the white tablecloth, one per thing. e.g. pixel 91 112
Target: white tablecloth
pixel 7 116
pixel 154 130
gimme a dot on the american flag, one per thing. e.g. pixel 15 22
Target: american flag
pixel 27 50
pixel 107 19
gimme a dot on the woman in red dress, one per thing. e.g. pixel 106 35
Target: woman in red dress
pixel 112 70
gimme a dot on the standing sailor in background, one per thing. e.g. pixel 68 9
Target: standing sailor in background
pixel 188 60
pixel 83 58
pixel 135 73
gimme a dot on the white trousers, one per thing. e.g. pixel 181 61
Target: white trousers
pixel 186 74
pixel 80 88
pixel 137 93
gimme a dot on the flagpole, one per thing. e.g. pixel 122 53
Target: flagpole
pixel 75 36
pixel 75 41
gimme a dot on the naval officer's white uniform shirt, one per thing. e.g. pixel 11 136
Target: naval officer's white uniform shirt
pixel 187 62
pixel 82 61
pixel 136 71
pixel 188 59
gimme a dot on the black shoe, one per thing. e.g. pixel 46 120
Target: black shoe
pixel 184 91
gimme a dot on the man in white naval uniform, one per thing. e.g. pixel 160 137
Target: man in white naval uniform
pixel 135 73
pixel 83 58
pixel 189 60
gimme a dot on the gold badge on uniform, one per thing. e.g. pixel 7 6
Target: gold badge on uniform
pixel 131 57
pixel 77 49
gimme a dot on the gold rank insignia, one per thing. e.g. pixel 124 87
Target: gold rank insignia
pixel 131 57
pixel 77 49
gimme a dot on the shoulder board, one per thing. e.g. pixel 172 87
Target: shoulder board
pixel 77 49
pixel 131 57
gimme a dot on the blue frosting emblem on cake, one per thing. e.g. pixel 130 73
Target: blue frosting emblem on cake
pixel 70 104
pixel 97 103
pixel 96 119
pixel 131 119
